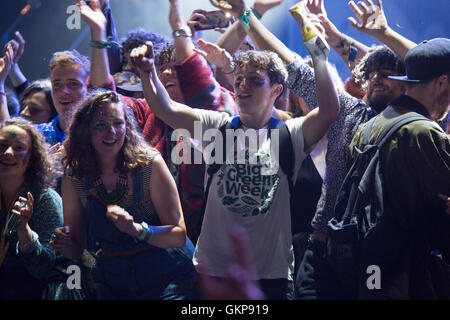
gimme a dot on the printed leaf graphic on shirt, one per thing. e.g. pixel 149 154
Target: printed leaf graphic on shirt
pixel 249 201
pixel 229 200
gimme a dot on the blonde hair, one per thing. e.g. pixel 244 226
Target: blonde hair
pixel 68 59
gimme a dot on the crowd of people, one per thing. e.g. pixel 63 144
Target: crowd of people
pixel 178 169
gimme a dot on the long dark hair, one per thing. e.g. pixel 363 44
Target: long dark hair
pixel 81 158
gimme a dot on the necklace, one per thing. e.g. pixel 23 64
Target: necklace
pixel 114 196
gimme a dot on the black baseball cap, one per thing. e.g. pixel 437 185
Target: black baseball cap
pixel 426 61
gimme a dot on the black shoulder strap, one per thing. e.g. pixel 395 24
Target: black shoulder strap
pixel 391 129
pixel 287 156
pixel 213 168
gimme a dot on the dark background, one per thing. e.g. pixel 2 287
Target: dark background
pixel 45 31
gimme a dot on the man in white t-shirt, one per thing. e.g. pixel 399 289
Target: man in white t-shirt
pixel 250 189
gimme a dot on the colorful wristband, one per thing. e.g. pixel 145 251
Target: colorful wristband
pixel 244 17
pixel 352 54
pixel 102 44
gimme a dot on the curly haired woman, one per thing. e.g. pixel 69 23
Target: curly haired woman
pixel 126 193
pixel 30 211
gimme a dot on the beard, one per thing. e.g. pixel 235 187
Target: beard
pixel 379 103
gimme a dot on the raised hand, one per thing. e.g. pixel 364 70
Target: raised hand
pixel 316 7
pixel 6 62
pixel 18 44
pixel 122 220
pixel 262 6
pixel 143 58
pixel 215 55
pixel 232 7
pixel 23 210
pixel 371 17
pixel 238 284
pixel 93 14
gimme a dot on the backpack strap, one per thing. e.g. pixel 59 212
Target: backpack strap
pixel 385 136
pixel 287 156
pixel 391 129
pixel 213 168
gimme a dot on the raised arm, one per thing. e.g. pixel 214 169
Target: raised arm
pixel 184 47
pixel 100 73
pixel 6 64
pixel 350 50
pixel 373 22
pixel 262 37
pixel 318 120
pixel 233 37
pixel 174 114
pixel 18 79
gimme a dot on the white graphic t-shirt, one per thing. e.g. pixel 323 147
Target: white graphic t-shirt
pixel 251 193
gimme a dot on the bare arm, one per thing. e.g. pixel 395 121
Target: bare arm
pixel 233 37
pixel 259 34
pixel 166 200
pixel 317 121
pixel 184 47
pixel 100 73
pixel 174 114
pixel 373 22
pixel 5 66
pixel 16 75
pixel 164 194
pixel 71 244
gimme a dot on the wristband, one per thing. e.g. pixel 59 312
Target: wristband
pixel 256 13
pixel 352 54
pixel 244 17
pixel 182 32
pixel 102 44
pixel 147 234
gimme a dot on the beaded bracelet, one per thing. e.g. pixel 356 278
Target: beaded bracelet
pixel 244 17
pixel 108 43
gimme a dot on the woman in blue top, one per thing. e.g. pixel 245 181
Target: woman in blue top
pixel 123 190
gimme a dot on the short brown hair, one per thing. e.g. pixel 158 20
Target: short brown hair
pixel 80 158
pixel 263 60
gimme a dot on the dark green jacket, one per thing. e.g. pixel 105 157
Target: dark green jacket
pixel 416 165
